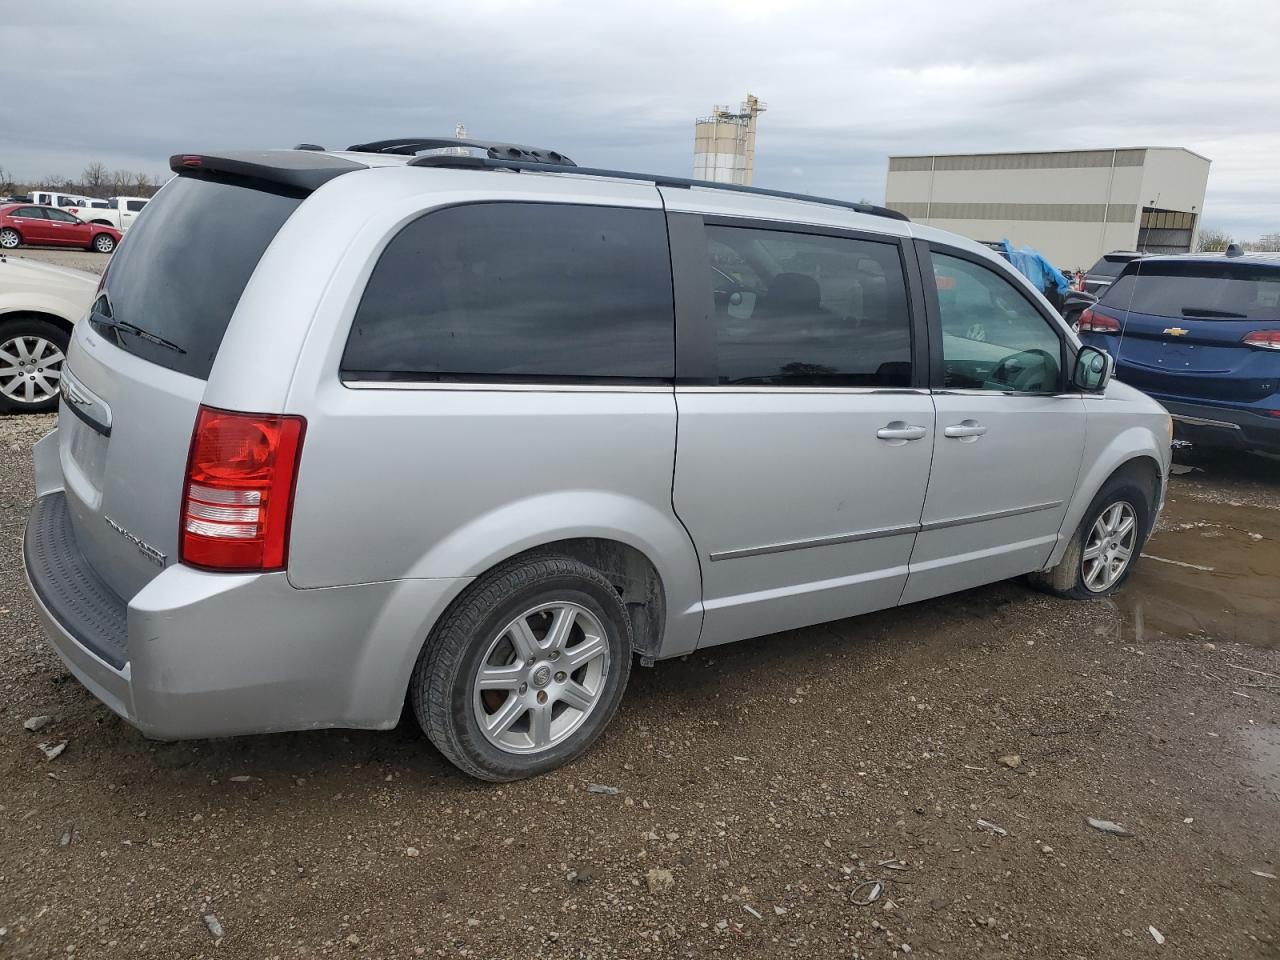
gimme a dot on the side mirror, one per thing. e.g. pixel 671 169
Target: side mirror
pixel 1093 370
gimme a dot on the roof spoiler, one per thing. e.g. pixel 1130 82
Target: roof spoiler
pixel 298 169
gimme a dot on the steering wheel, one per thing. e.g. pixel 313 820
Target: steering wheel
pixel 1025 371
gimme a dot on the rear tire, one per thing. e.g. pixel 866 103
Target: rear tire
pixel 1106 545
pixel 525 669
pixel 10 239
pixel 104 243
pixel 32 352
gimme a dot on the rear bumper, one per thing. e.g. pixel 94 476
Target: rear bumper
pixel 1212 425
pixel 206 654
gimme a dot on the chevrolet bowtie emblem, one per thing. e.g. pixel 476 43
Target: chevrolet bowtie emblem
pixel 1176 331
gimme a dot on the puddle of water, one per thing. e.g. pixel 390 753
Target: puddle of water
pixel 1210 571
pixel 1263 744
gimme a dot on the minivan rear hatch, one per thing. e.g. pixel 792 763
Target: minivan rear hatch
pixel 1184 323
pixel 137 368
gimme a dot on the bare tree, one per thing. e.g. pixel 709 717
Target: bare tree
pixel 1213 240
pixel 143 185
pixel 1267 243
pixel 7 186
pixel 120 181
pixel 95 179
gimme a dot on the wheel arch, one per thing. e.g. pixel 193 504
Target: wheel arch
pixel 1133 452
pixel 62 323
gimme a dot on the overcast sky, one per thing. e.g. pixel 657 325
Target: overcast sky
pixel 619 84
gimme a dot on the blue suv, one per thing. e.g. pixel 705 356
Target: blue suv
pixel 1201 334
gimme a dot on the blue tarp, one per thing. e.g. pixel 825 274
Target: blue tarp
pixel 1032 265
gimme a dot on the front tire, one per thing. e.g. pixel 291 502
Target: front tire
pixel 32 352
pixel 525 669
pixel 104 243
pixel 1106 545
pixel 10 239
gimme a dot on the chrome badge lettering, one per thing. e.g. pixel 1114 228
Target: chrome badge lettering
pixel 147 550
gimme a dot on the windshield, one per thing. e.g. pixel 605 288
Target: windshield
pixel 1209 291
pixel 183 267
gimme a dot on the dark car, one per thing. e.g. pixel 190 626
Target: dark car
pixel 51 227
pixel 1103 273
pixel 1201 334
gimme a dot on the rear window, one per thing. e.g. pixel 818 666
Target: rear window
pixel 519 292
pixel 181 272
pixel 1207 291
pixel 1108 268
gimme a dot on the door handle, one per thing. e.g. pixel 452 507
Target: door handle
pixel 898 431
pixel 965 430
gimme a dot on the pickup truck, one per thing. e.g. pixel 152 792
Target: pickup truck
pixel 118 212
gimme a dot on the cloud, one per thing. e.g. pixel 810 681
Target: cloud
pixel 620 84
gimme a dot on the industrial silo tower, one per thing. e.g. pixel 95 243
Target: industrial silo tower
pixel 724 144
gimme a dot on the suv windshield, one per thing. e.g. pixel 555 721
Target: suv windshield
pixel 1210 290
pixel 184 267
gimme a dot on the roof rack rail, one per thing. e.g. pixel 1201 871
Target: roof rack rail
pixel 657 179
pixel 494 150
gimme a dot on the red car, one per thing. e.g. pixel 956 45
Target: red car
pixel 48 226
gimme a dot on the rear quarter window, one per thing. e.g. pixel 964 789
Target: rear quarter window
pixel 519 292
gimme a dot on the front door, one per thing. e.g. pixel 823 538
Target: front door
pixel 1009 439
pixel 67 231
pixel 803 455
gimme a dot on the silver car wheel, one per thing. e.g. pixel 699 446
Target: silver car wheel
pixel 9 239
pixel 541 677
pixel 30 369
pixel 104 243
pixel 1109 549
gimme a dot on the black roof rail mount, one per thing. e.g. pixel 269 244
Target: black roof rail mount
pixel 657 179
pixel 408 146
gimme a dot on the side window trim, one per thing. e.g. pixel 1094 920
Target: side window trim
pixel 696 364
pixel 926 249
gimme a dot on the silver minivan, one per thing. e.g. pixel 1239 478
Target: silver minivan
pixel 477 428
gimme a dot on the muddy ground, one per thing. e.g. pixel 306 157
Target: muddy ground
pixel 774 779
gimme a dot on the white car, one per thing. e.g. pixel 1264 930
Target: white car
pixel 39 304
pixel 118 212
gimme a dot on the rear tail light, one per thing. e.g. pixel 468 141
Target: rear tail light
pixel 1263 339
pixel 1092 322
pixel 237 500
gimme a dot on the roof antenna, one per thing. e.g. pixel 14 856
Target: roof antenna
pixel 1235 250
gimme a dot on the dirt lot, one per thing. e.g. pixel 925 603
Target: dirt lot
pixel 86 260
pixel 773 779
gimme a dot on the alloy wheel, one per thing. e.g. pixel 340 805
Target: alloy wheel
pixel 9 239
pixel 30 369
pixel 541 677
pixel 1109 549
pixel 104 243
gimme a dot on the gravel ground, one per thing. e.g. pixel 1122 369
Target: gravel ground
pixel 763 789
pixel 79 259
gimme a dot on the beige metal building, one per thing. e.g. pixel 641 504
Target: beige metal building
pixel 724 144
pixel 1071 205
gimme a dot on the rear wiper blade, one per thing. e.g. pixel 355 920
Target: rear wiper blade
pixel 101 320
pixel 1210 312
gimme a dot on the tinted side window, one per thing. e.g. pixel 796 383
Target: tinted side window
pixel 519 291
pixel 35 213
pixel 134 205
pixel 60 215
pixel 796 309
pixel 992 337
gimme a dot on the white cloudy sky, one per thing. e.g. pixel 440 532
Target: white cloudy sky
pixel 619 84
